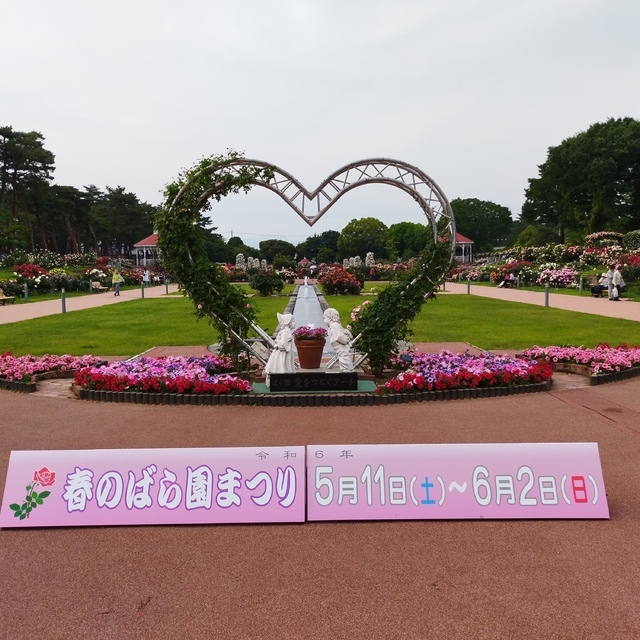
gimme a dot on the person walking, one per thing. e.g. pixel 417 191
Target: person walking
pixel 146 281
pixel 116 280
pixel 617 283
pixel 612 268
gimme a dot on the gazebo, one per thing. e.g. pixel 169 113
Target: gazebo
pixel 146 251
pixel 464 249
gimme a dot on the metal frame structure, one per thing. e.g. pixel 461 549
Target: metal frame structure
pixel 417 184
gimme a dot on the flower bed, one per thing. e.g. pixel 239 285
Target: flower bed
pixel 170 375
pixel 602 364
pixel 454 371
pixel 19 373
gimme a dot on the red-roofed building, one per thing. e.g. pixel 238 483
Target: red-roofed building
pixel 464 249
pixel 145 252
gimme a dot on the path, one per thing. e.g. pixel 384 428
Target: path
pixel 583 304
pixel 30 310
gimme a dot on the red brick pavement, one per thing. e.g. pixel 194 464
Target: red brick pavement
pixel 408 580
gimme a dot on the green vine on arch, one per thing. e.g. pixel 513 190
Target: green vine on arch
pixel 381 324
pixel 181 243
pixel 180 239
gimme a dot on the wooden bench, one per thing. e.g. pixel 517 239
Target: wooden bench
pixel 4 299
pixel 97 287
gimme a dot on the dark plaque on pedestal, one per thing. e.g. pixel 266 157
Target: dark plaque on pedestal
pixel 315 381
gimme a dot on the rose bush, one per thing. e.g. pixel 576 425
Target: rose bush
pixel 338 281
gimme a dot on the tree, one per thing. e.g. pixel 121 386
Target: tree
pixel 362 235
pixel 406 239
pixel 590 182
pixel 533 236
pixel 269 249
pixel 236 245
pixel 118 220
pixel 483 221
pixel 26 168
pixel 326 242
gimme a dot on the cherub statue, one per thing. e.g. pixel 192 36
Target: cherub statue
pixel 281 359
pixel 340 339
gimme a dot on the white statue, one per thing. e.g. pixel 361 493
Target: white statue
pixel 281 359
pixel 340 339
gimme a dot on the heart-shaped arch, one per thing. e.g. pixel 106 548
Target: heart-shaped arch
pixel 396 173
pixel 228 308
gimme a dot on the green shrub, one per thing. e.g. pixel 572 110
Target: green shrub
pixel 266 283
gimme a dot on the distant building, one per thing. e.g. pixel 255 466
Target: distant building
pixel 145 252
pixel 464 249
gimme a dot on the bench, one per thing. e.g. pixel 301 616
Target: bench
pixel 4 299
pixel 96 286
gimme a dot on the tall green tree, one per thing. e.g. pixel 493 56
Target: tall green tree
pixel 118 220
pixel 67 218
pixel 361 236
pixel 485 222
pixel 590 182
pixel 269 249
pixel 406 239
pixel 26 168
pixel 323 247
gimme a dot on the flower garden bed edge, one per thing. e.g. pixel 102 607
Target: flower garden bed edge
pixel 584 370
pixel 32 385
pixel 306 400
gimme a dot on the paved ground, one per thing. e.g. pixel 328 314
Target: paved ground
pixel 18 312
pixel 582 304
pixel 560 580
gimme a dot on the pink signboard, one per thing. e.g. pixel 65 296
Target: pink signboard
pixel 154 486
pixel 455 481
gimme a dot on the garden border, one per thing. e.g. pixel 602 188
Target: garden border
pixel 32 386
pixel 584 370
pixel 307 399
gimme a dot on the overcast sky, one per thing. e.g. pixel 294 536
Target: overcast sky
pixel 473 92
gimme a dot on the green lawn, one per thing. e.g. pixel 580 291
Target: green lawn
pixel 134 326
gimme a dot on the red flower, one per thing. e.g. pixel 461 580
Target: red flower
pixel 44 477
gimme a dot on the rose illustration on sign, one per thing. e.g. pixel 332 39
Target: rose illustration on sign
pixel 41 478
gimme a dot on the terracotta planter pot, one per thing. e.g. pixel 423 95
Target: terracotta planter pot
pixel 310 353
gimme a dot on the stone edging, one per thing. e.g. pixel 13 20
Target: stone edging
pixel 305 400
pixel 584 370
pixel 21 387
